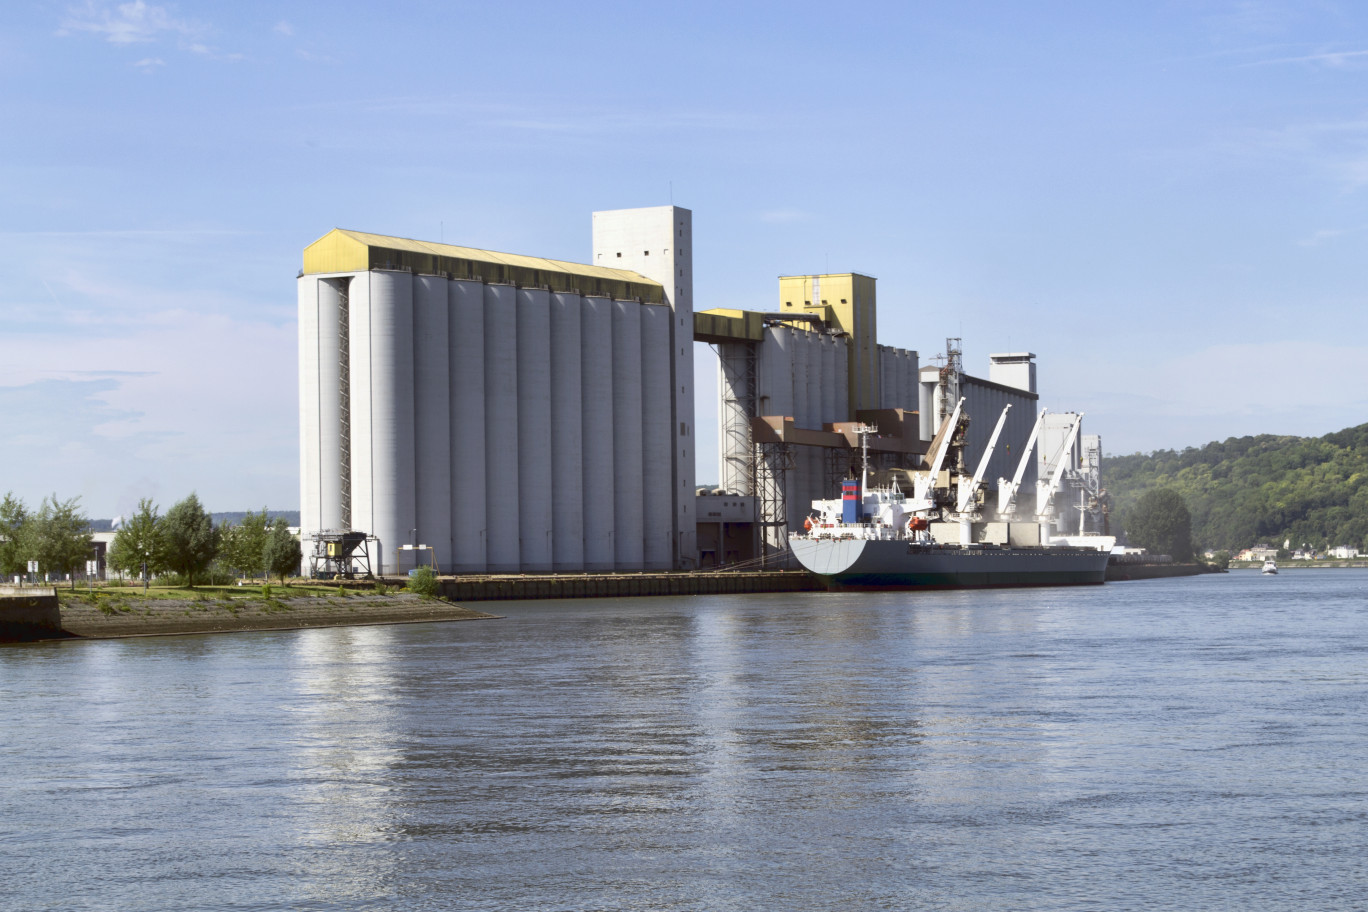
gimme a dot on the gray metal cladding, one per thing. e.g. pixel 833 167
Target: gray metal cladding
pixel 432 416
pixel 392 428
pixel 775 369
pixel 501 428
pixel 843 412
pixel 466 343
pixel 829 381
pixel 597 427
pixel 567 433
pixel 509 429
pixel 534 429
pixel 813 343
pixel 629 487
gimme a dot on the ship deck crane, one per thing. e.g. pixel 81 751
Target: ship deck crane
pixel 969 491
pixel 922 488
pixel 1007 490
pixel 1046 490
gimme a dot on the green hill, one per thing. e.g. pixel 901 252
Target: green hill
pixel 1248 490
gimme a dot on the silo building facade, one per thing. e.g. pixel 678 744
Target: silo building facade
pixel 512 413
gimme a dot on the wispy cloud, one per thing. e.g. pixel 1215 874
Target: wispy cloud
pixel 283 28
pixel 138 398
pixel 140 22
pixel 127 23
pixel 1333 59
pixel 1333 149
pixel 1324 235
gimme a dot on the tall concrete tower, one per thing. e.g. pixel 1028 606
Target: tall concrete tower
pixel 657 242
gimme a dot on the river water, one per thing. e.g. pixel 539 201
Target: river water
pixel 1171 744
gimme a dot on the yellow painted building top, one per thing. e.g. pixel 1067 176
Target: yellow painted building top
pixel 341 250
pixel 847 302
pixel 725 325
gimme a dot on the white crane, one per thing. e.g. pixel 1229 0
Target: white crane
pixel 968 491
pixel 922 487
pixel 967 499
pixel 1046 490
pixel 1007 490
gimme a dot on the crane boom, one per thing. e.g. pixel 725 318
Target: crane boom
pixel 1045 491
pixel 922 490
pixel 968 491
pixel 1007 491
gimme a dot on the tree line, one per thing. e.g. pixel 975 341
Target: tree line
pixel 1263 489
pixel 184 541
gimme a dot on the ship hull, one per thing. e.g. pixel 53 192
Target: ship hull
pixel 855 564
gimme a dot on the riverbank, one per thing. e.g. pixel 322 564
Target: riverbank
pixel 125 612
pixel 1303 565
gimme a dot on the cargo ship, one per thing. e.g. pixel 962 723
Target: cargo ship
pixel 935 537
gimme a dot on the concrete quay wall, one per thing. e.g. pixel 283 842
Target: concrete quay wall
pixel 29 613
pixel 614 585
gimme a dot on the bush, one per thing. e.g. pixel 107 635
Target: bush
pixel 424 582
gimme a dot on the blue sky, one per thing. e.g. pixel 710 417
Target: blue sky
pixel 1164 201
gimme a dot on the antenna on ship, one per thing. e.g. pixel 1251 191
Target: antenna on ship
pixel 864 431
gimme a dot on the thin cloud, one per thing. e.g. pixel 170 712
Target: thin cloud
pixel 1323 236
pixel 1332 59
pixel 283 28
pixel 148 64
pixel 127 23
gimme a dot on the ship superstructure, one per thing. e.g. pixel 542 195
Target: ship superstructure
pixel 880 534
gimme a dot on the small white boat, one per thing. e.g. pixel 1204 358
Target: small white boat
pixel 1270 567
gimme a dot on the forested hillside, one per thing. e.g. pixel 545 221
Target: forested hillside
pixel 1248 490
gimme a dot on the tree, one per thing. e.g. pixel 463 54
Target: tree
pixel 242 547
pixel 282 552
pixel 192 540
pixel 1160 523
pixel 60 536
pixel 14 518
pixel 141 538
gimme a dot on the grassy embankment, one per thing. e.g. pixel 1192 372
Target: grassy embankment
pixel 115 611
pixel 1301 564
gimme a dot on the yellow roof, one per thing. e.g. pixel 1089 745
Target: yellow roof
pixel 341 250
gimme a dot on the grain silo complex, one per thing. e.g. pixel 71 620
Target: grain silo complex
pixel 511 413
pixel 502 413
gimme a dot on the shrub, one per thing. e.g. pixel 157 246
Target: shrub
pixel 424 582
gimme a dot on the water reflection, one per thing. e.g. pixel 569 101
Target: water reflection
pixel 946 750
pixel 344 746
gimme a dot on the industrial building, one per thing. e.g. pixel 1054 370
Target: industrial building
pixel 795 385
pixel 497 412
pixel 510 413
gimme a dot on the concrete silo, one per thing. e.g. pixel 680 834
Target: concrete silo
pixel 517 414
pixel 465 342
pixel 567 433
